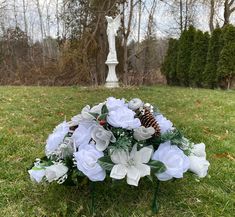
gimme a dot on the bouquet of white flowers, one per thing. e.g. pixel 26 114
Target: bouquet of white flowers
pixel 119 139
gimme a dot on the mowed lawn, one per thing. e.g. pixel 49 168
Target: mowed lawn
pixel 29 114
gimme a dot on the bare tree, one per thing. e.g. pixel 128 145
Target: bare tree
pixel 148 40
pixel 3 6
pixel 41 29
pixel 212 14
pixel 25 19
pixel 229 8
pixel 181 16
pixel 183 12
pixel 15 13
pixel 126 33
pixel 139 19
pixel 57 19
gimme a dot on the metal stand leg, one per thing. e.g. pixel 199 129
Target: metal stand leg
pixel 155 205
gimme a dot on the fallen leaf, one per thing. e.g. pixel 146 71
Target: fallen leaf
pixel 225 155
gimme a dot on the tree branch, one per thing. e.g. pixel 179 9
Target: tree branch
pixel 232 10
pixel 231 3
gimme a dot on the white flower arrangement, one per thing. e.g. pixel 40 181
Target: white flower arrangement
pixel 117 139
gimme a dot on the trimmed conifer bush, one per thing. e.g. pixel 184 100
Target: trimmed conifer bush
pixel 226 64
pixel 184 55
pixel 170 63
pixel 198 62
pixel 210 76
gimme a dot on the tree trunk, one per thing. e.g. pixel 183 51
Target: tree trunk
pixel 186 15
pixel 229 81
pixel 139 20
pixel 25 19
pixel 212 13
pixel 125 62
pixel 101 51
pixel 181 16
pixel 126 33
pixel 226 13
pixel 42 30
pixel 229 8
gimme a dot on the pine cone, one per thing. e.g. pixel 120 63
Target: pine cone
pixel 147 120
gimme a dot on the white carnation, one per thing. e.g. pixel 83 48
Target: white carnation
pixel 165 125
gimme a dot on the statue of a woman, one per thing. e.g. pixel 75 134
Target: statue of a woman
pixel 113 26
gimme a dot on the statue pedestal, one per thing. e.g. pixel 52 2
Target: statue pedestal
pixel 112 80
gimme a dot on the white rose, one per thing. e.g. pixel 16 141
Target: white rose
pixel 82 135
pixel 198 163
pixel 143 133
pixel 124 118
pixel 56 138
pixel 113 103
pixel 176 162
pixel 102 137
pixel 55 172
pixel 199 150
pixel 165 125
pixel 87 162
pixel 199 166
pixel 135 104
pixel 36 174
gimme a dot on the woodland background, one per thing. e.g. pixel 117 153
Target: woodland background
pixel 64 42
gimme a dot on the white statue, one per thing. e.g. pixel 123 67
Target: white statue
pixel 113 26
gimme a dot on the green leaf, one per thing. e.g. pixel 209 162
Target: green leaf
pixel 104 109
pixel 78 173
pixel 157 166
pixel 106 163
pixel 150 178
pixel 38 168
pixel 102 117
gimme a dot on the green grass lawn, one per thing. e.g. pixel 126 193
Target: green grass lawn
pixel 29 114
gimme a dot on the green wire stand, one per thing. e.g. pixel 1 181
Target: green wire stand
pixel 92 192
pixel 155 204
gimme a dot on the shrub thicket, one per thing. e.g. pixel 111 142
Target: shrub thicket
pixel 202 61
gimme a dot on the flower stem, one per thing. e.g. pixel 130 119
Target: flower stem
pixel 155 205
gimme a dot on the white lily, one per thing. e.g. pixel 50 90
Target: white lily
pixel 132 165
pixel 84 116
